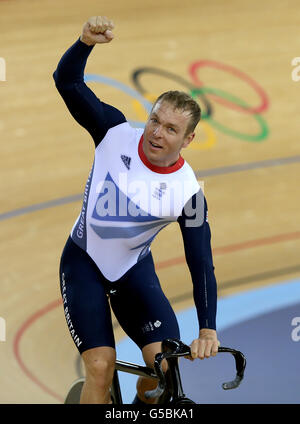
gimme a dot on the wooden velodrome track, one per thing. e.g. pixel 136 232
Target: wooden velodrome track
pixel 248 159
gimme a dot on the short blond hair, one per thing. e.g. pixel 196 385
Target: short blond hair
pixel 182 101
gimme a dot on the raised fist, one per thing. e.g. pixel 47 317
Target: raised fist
pixel 98 29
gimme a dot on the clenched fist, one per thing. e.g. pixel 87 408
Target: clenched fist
pixel 205 346
pixel 97 30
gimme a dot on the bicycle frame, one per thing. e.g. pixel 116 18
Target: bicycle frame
pixel 169 389
pixel 174 388
pixel 131 369
pixel 115 391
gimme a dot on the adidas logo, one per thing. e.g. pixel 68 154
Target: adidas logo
pixel 126 160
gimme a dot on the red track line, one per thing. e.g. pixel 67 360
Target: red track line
pixel 16 346
pixel 160 265
pixel 235 247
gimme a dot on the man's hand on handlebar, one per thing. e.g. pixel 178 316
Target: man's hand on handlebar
pixel 205 346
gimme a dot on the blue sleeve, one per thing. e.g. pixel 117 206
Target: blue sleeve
pixel 196 239
pixel 94 115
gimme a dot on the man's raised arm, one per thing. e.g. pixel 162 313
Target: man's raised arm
pixel 94 115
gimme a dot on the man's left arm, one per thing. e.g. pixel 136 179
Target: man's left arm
pixel 196 236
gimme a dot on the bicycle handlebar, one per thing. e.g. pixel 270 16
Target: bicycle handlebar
pixel 173 348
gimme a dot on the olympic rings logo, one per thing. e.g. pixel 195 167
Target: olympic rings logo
pixel 143 100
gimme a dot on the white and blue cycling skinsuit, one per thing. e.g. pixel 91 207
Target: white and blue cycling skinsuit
pixel 127 201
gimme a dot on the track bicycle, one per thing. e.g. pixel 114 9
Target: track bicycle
pixel 169 390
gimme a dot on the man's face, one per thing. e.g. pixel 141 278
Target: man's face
pixel 165 134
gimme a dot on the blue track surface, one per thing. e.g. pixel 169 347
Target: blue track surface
pixel 257 322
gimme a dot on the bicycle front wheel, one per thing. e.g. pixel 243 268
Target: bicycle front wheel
pixel 73 396
pixel 183 401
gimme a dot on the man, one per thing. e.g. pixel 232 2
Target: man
pixel 138 184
